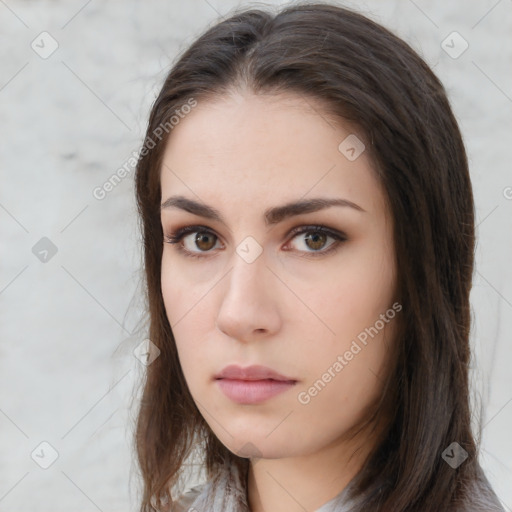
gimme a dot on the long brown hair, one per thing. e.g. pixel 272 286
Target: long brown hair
pixel 363 74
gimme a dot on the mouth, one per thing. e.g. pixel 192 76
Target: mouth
pixel 252 373
pixel 252 384
pixel 249 392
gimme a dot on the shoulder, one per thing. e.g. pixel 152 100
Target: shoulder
pixel 185 501
pixel 481 497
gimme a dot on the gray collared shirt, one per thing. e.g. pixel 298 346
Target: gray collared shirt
pixel 226 493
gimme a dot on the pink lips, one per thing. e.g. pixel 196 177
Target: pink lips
pixel 253 384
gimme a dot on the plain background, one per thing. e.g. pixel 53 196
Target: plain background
pixel 69 121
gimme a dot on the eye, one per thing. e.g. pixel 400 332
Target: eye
pixel 316 239
pixel 205 240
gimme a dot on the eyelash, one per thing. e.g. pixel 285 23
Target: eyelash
pixel 176 237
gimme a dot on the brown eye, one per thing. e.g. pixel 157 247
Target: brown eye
pixel 204 240
pixel 194 241
pixel 315 241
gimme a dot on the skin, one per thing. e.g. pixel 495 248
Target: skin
pixel 288 309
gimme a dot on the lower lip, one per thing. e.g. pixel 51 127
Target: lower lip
pixel 253 391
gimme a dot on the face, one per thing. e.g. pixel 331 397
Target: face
pixel 309 295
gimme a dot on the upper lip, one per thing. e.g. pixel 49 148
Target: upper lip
pixel 255 372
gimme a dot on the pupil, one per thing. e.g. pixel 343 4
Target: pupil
pixel 201 239
pixel 318 240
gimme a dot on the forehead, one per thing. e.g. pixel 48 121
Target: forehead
pixel 267 148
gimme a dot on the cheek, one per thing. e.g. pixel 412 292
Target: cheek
pixel 366 283
pixel 351 306
pixel 336 393
pixel 191 344
pixel 350 301
pixel 182 290
pixel 188 307
pixel 172 288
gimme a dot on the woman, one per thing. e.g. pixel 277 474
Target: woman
pixel 308 227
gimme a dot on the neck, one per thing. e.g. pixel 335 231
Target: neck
pixel 304 483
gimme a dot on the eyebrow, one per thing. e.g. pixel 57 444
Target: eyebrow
pixel 272 215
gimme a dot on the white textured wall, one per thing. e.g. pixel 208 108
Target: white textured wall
pixel 69 121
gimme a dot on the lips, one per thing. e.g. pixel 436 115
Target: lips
pixel 252 385
pixel 254 372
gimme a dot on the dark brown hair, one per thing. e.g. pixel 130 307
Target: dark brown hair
pixel 365 75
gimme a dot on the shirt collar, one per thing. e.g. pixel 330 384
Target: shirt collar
pixel 227 492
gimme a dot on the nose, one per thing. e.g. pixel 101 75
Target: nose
pixel 249 308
